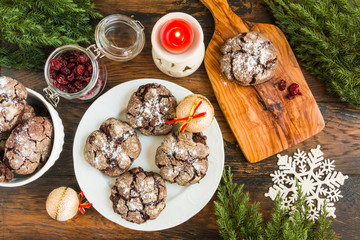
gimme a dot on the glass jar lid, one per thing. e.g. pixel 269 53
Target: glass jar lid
pixel 119 38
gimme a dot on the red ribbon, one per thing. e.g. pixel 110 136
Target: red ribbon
pixel 191 116
pixel 82 206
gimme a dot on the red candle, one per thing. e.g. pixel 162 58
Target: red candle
pixel 176 35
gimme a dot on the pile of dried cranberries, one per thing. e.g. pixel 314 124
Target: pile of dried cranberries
pixel 71 72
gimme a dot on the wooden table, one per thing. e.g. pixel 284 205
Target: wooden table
pixel 22 209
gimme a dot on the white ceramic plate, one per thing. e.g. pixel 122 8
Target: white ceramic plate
pixel 182 202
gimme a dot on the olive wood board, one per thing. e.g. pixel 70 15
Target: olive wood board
pixel 263 120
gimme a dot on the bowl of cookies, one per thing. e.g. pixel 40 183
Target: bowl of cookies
pixel 31 134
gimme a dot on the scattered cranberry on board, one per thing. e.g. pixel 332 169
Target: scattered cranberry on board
pixel 176 35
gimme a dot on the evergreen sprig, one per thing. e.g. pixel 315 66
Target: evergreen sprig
pixel 238 219
pixel 325 36
pixel 28 28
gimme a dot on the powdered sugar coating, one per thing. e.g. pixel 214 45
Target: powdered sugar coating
pixel 249 58
pixel 12 102
pixel 28 113
pixel 183 159
pixel 28 145
pixel 113 148
pixel 150 107
pixel 138 195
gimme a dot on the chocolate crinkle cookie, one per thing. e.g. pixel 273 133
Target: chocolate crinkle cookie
pixel 6 174
pixel 249 58
pixel 12 103
pixel 138 195
pixel 113 148
pixel 28 145
pixel 183 158
pixel 150 107
pixel 28 113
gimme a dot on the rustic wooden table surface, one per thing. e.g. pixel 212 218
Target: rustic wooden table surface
pixel 22 209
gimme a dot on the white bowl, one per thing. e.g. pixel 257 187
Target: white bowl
pixel 41 105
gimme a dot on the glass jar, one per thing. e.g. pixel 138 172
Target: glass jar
pixel 92 89
pixel 117 37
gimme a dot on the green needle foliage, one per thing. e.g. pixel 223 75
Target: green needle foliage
pixel 238 219
pixel 325 36
pixel 30 28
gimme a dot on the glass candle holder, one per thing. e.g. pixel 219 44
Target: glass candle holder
pixel 117 37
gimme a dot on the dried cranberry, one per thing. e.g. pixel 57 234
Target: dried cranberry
pixel 282 85
pixel 89 67
pixel 52 73
pixel 70 78
pixel 63 88
pixel 65 71
pixel 55 64
pixel 80 85
pixel 55 84
pixel 79 78
pixel 62 61
pixel 71 65
pixel 71 88
pixel 73 60
pixel 80 69
pixel 86 74
pixel 87 79
pixel 294 89
pixel 83 59
pixel 61 79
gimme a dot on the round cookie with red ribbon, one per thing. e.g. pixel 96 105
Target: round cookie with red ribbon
pixel 195 113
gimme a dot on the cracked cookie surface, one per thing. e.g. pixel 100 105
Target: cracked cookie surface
pixel 28 113
pixel 183 159
pixel 138 195
pixel 6 174
pixel 113 148
pixel 249 58
pixel 150 107
pixel 12 103
pixel 28 145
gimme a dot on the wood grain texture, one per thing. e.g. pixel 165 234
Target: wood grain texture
pixel 261 117
pixel 22 209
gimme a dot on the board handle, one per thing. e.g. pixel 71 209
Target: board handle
pixel 220 9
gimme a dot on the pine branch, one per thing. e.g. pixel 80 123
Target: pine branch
pixel 33 26
pixel 238 219
pixel 325 36
pixel 236 216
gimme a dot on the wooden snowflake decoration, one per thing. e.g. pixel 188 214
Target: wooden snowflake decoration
pixel 316 176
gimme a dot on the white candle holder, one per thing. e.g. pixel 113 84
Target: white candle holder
pixel 183 64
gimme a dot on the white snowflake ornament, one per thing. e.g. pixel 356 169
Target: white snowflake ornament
pixel 316 176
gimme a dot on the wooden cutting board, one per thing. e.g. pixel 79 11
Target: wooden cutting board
pixel 263 120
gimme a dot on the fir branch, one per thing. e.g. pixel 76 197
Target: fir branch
pixel 238 219
pixel 28 28
pixel 325 36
